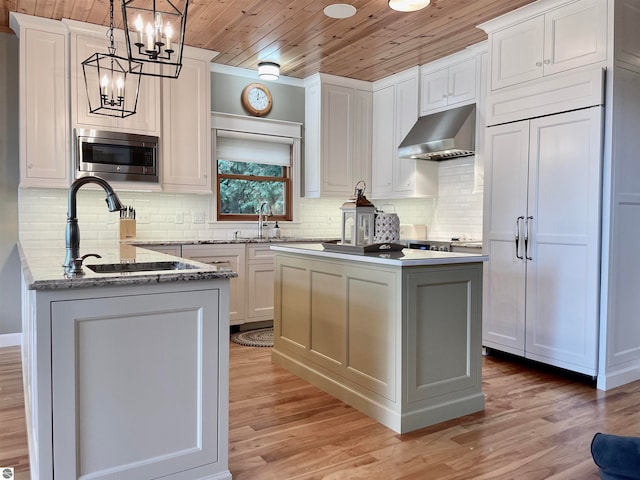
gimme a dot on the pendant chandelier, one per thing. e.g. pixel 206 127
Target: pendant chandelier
pixel 154 32
pixel 112 82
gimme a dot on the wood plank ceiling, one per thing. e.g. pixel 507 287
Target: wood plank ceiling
pixel 374 43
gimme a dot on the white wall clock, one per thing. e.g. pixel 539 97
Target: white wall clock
pixel 257 99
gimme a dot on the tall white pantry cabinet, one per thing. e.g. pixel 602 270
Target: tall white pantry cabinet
pixel 561 182
pixel 542 237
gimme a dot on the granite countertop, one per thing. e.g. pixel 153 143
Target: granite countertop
pixel 270 240
pixel 405 258
pixel 42 266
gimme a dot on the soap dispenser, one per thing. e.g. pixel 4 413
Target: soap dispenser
pixel 276 230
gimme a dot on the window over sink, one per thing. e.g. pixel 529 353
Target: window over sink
pixel 250 170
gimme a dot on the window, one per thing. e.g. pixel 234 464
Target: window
pixel 252 169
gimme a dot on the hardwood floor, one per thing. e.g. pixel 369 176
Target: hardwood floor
pixel 13 430
pixel 538 424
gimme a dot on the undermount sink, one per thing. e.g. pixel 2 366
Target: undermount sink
pixel 139 267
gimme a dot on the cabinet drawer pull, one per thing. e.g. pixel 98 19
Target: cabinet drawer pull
pixel 521 217
pixel 220 262
pixel 526 239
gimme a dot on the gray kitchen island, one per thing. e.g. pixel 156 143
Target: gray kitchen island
pixel 125 367
pixel 396 335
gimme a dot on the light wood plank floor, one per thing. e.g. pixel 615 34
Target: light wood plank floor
pixel 538 424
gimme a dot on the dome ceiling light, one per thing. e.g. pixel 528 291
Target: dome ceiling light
pixel 408 5
pixel 268 70
pixel 340 10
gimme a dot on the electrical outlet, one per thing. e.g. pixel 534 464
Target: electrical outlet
pixel 179 217
pixel 197 217
pixel 329 219
pixel 142 217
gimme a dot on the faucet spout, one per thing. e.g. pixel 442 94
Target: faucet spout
pixel 72 233
pixel 262 217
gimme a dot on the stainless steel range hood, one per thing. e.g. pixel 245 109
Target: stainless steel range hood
pixel 442 135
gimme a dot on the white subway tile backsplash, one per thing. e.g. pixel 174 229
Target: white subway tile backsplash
pixel 456 212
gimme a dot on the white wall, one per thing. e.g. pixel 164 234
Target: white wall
pixel 9 263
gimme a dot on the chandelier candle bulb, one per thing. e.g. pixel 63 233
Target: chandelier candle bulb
pixel 120 86
pixel 151 47
pixel 158 28
pixel 168 33
pixel 139 25
pixel 105 85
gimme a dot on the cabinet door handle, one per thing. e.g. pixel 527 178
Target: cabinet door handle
pixel 547 61
pixel 518 237
pixel 526 239
pixel 538 64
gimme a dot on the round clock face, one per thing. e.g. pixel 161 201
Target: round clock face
pixel 256 99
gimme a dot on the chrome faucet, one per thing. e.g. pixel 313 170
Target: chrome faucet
pixel 73 261
pixel 262 217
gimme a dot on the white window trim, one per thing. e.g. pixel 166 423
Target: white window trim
pixel 278 130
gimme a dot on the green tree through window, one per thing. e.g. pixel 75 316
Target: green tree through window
pixel 243 186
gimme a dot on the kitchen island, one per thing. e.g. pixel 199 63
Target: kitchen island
pixel 396 335
pixel 125 367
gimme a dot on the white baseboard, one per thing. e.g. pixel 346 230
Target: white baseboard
pixel 613 379
pixel 10 340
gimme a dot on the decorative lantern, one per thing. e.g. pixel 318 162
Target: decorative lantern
pixel 112 82
pixel 154 32
pixel 358 219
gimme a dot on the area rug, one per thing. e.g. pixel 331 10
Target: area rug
pixel 261 337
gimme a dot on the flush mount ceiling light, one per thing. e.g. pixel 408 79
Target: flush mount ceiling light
pixel 408 5
pixel 112 82
pixel 154 32
pixel 268 70
pixel 340 10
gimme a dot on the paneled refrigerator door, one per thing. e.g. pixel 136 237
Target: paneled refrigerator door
pixel 563 225
pixel 505 211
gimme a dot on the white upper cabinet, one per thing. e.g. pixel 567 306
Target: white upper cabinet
pixel 338 136
pixel 44 99
pixel 395 111
pixel 186 125
pixel 446 87
pixel 86 40
pixel 537 44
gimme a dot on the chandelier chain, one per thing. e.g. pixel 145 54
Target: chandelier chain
pixel 112 47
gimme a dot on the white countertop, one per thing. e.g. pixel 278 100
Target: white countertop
pixel 405 258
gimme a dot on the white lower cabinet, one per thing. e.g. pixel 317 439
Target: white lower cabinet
pixel 135 385
pixel 127 381
pixel 260 278
pixel 234 257
pixel 401 344
pixel 542 230
pixel 252 290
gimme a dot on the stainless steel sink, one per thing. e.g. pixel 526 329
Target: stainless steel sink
pixel 140 267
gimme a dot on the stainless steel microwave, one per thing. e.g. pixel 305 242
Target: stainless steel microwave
pixel 116 156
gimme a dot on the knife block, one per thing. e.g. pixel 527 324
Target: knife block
pixel 127 229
